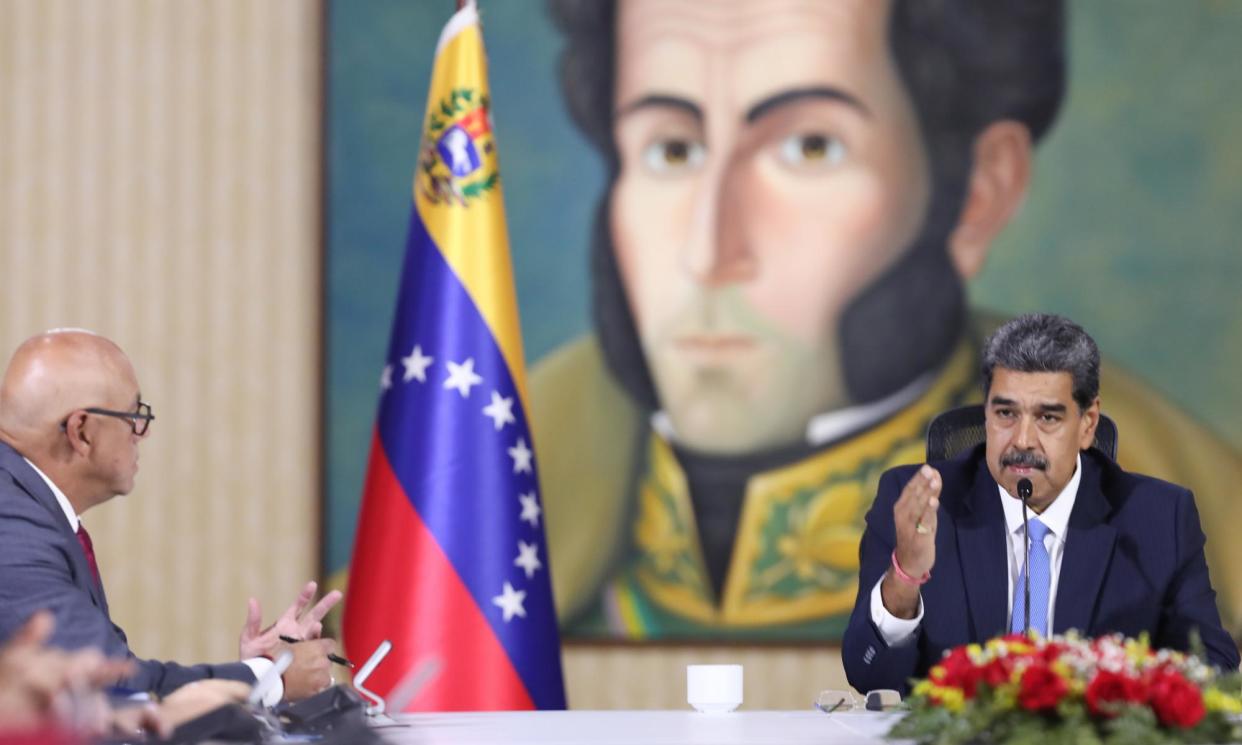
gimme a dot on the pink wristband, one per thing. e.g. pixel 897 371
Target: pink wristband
pixel 901 575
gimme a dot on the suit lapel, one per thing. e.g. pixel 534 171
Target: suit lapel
pixel 30 481
pixel 1089 546
pixel 982 548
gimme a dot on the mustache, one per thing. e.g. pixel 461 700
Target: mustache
pixel 1024 458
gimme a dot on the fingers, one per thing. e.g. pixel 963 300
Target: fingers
pixel 151 721
pixel 316 614
pixel 918 495
pixel 927 518
pixel 304 599
pixel 254 618
pixel 307 595
pixel 128 720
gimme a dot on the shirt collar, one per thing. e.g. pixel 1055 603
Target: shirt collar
pixel 61 499
pixel 1056 517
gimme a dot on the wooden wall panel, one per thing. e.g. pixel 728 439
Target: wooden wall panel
pixel 159 167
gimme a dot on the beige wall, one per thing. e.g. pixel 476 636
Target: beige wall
pixel 159 166
pixel 654 676
pixel 159 183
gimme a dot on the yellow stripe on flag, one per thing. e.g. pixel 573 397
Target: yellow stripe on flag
pixel 457 185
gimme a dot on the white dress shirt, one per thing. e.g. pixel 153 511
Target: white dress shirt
pixel 896 631
pixel 70 514
pixel 257 665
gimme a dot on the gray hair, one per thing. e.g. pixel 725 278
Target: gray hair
pixel 1042 342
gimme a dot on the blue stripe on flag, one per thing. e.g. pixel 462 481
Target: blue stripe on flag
pixel 456 467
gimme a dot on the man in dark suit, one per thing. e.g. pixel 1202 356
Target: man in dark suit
pixel 943 555
pixel 71 421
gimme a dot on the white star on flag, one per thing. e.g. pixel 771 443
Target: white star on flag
pixel 500 410
pixel 416 365
pixel 521 456
pixel 510 601
pixel 462 377
pixel 530 509
pixel 528 558
pixel 386 378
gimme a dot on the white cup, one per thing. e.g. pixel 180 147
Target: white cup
pixel 714 689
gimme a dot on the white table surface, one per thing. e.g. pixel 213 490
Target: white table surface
pixel 638 728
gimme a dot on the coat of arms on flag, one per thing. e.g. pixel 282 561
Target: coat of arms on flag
pixel 458 158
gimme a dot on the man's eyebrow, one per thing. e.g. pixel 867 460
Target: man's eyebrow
pixel 793 95
pixel 1044 408
pixel 662 101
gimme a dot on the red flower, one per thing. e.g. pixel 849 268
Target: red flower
pixel 959 672
pixel 1108 687
pixel 996 673
pixel 1051 652
pixel 1040 688
pixel 1176 701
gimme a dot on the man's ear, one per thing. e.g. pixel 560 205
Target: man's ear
pixel 1091 422
pixel 999 174
pixel 75 432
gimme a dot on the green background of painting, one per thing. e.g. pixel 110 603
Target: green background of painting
pixel 1131 227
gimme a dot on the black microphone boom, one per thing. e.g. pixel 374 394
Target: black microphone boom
pixel 1024 492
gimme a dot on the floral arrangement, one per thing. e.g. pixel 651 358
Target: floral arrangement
pixel 1066 689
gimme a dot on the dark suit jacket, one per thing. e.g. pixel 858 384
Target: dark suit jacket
pixel 42 566
pixel 1133 562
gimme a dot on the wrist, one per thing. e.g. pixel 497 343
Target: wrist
pixel 900 599
pixel 905 577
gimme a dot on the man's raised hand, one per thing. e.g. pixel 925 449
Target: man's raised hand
pixel 914 520
pixel 914 516
pixel 299 621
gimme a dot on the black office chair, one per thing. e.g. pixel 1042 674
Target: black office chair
pixel 957 430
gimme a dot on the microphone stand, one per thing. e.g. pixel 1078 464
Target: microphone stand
pixel 1024 492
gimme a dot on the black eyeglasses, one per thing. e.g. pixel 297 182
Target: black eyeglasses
pixel 139 420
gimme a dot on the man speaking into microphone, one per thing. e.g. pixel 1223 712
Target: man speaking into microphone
pixel 944 557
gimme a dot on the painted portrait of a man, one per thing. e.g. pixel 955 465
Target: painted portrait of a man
pixel 798 193
pixel 757 246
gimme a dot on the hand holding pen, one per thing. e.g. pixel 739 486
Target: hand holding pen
pixel 331 657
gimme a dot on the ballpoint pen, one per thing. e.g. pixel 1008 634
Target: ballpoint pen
pixel 333 657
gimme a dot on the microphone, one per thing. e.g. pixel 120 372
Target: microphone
pixel 376 701
pixel 1024 493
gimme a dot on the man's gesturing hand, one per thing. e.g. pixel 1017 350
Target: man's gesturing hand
pixel 914 517
pixel 299 621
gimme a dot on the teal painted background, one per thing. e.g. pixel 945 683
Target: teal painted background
pixel 1132 226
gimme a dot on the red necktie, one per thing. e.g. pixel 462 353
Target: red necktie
pixel 88 548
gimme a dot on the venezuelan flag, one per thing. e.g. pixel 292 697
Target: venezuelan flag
pixel 449 560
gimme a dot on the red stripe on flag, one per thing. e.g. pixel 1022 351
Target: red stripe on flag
pixel 402 587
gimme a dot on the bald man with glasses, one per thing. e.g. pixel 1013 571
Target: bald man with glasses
pixel 71 421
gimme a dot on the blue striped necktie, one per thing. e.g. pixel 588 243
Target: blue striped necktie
pixel 1041 580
